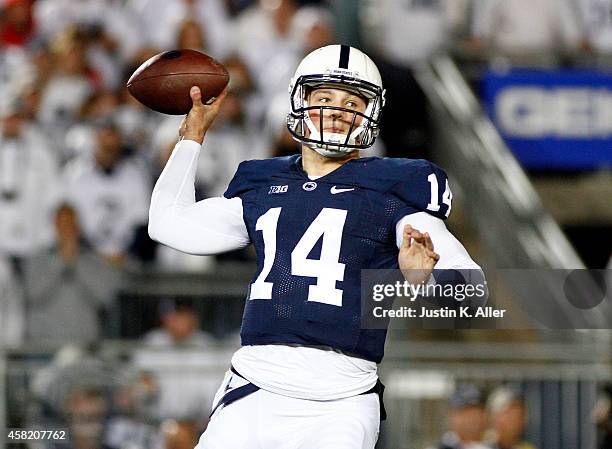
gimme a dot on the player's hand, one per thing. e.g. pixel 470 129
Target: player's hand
pixel 201 116
pixel 417 258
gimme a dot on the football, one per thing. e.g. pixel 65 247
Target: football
pixel 162 83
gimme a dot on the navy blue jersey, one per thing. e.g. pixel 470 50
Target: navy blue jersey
pixel 312 238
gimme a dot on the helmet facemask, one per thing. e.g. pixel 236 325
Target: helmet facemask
pixel 333 144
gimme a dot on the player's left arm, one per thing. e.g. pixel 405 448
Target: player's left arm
pixel 426 246
pixel 428 252
pixel 452 254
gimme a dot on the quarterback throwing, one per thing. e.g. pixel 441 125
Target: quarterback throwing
pixel 306 374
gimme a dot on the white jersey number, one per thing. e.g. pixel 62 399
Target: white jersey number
pixel 260 289
pixel 447 197
pixel 327 269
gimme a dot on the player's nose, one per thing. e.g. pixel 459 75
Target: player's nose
pixel 336 114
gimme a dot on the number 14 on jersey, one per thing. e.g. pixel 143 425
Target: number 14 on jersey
pixel 329 224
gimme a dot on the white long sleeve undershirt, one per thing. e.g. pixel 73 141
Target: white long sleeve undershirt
pixel 211 226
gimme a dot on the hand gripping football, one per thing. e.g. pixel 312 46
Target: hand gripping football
pixel 162 83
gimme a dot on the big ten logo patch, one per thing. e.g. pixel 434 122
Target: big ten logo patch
pixel 278 189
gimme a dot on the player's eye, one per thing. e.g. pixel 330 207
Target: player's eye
pixel 324 100
pixel 351 104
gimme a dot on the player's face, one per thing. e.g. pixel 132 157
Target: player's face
pixel 336 121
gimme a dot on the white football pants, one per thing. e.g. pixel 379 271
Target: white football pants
pixel 264 420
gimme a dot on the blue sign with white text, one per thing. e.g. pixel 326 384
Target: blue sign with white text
pixel 559 120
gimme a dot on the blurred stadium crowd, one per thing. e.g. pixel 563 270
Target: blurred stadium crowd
pixel 79 157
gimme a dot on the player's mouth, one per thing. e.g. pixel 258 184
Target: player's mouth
pixel 335 130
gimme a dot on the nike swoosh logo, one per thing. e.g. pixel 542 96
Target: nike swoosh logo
pixel 335 190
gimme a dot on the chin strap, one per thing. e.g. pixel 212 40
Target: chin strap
pixel 324 150
pixel 333 143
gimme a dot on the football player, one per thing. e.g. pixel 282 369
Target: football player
pixel 306 374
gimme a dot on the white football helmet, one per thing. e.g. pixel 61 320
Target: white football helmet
pixel 339 67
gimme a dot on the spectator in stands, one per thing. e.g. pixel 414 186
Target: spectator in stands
pixel 180 327
pixel 92 424
pixel 12 320
pixel 87 409
pixel 16 70
pixel 467 420
pixel 102 54
pixel 80 392
pixel 30 98
pixel 596 20
pixel 402 34
pixel 28 186
pixel 280 142
pixel 263 33
pixel 508 417
pixel 527 27
pixel 312 27
pixel 73 78
pixel 602 415
pixel 179 435
pixel 243 87
pixel 16 24
pixel 68 287
pixel 191 36
pixel 408 32
pixel 41 70
pixel 177 355
pixel 162 19
pixel 130 425
pixel 80 139
pixel 116 22
pixel 110 193
pixel 68 87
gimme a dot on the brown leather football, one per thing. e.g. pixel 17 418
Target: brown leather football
pixel 162 83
